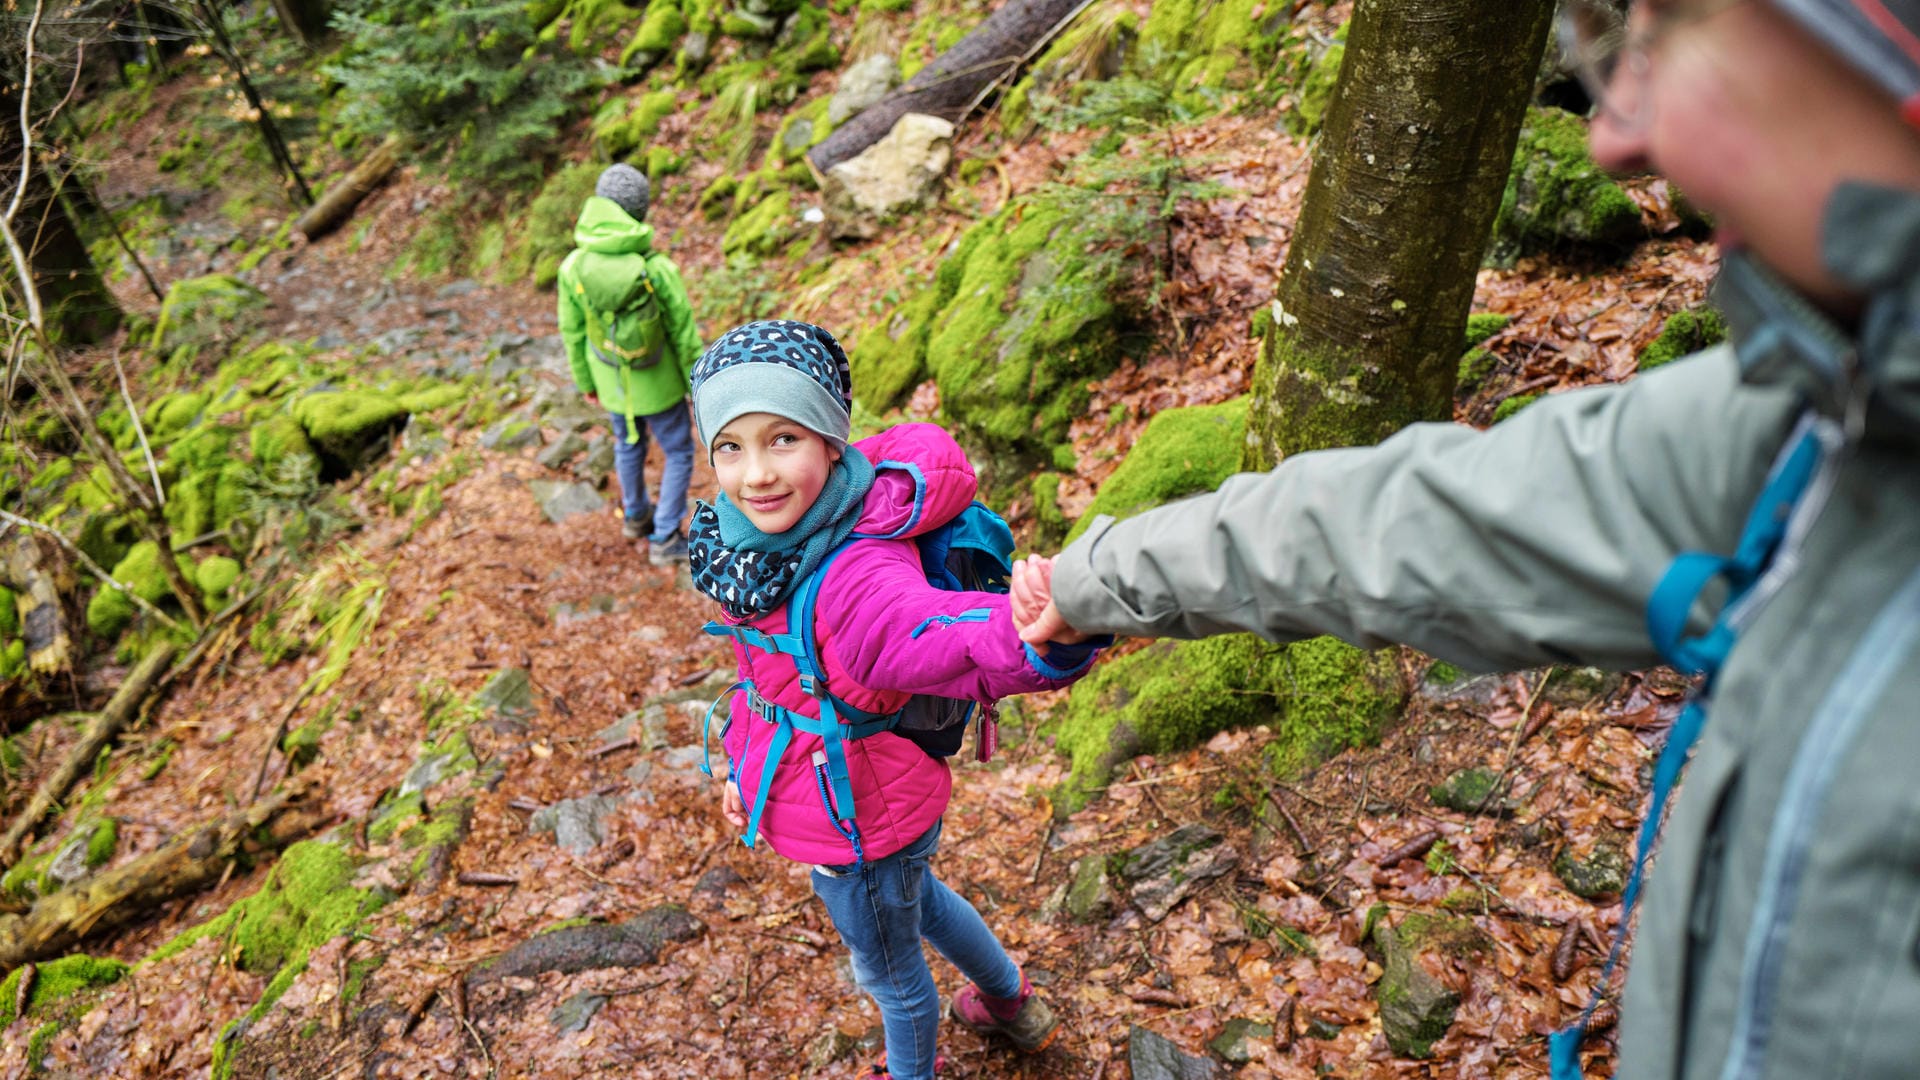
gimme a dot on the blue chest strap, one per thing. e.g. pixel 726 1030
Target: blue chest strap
pixel 837 723
pixel 1672 601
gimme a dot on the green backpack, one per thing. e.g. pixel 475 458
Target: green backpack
pixel 634 333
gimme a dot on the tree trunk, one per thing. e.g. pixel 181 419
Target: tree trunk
pixel 304 19
pixel 1373 300
pixel 185 864
pixel 262 116
pixel 958 79
pixel 79 309
pixel 337 204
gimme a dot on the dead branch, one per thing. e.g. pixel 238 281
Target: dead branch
pixel 184 865
pixel 126 701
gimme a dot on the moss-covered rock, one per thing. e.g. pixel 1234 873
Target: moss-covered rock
pixel 1316 88
pixel 1599 874
pixel 174 413
pixel 1511 405
pixel 1222 45
pixel 1182 451
pixel 546 235
pixel 9 614
pixel 1416 1009
pixel 1320 695
pixel 765 228
pixel 215 576
pixel 1557 198
pixel 659 32
pixel 110 610
pixel 621 127
pixel 348 428
pixel 55 982
pixel 202 310
pixel 1472 791
pixel 1477 363
pixel 276 439
pixel 1685 332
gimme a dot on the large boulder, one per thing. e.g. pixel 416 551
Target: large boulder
pixel 894 176
pixel 861 87
pixel 349 428
pixel 1557 198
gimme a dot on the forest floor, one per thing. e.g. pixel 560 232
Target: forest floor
pixel 760 988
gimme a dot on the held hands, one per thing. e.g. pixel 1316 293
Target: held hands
pixel 1034 615
pixel 593 400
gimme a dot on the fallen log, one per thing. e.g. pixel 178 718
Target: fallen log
pixel 79 761
pixel 336 204
pixel 957 80
pixel 185 864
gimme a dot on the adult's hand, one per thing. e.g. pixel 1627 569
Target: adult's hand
pixel 1035 616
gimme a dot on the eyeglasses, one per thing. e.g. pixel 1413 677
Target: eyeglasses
pixel 1598 45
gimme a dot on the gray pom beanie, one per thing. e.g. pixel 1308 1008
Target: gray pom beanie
pixel 627 187
pixel 779 366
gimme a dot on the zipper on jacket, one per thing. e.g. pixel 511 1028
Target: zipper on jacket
pixel 1828 738
pixel 978 614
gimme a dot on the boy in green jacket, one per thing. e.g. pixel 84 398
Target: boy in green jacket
pixel 632 341
pixel 1780 933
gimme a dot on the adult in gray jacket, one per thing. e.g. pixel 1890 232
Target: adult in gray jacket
pixel 1780 935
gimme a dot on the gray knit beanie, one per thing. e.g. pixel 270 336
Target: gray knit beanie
pixel 627 187
pixel 779 366
pixel 1879 38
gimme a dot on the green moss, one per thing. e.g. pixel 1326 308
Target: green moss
pixel 1556 197
pixel 101 842
pixel 110 611
pixel 13 661
pixel 1050 522
pixel 811 46
pixel 434 398
pixel 1513 405
pixel 1086 51
pixel 347 426
pixel 662 162
pixel 1442 673
pixel 357 972
pixel 397 815
pixel 174 413
pixel 215 576
pixel 1483 325
pixel 9 614
pixel 1477 363
pixel 621 127
pixel 545 236
pixel 53 474
pixel 663 27
pixel 1218 45
pixel 889 357
pixel 198 311
pixel 27 880
pixel 715 199
pixel 307 900
pixel 1320 695
pixel 764 228
pixel 277 438
pixel 1316 92
pixel 1684 333
pixel 1182 451
pixel 55 981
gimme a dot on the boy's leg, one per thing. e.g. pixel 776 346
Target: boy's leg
pixel 877 910
pixel 673 430
pixel 629 465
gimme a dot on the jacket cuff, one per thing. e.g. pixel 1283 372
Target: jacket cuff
pixel 1076 658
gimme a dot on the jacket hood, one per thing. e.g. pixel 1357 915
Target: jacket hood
pixel 605 228
pixel 1870 240
pixel 922 480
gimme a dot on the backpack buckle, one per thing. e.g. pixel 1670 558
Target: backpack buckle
pixel 815 687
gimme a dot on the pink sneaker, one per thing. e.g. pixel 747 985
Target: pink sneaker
pixel 1025 1018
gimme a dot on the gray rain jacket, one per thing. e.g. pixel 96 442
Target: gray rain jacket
pixel 1780 934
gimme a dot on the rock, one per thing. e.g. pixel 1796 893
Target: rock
pixel 1154 1057
pixel 561 450
pixel 1416 1009
pixel 511 433
pixel 457 288
pixel 1573 687
pixel 862 86
pixel 1231 1044
pixel 576 1012
pixel 560 500
pixel 1471 791
pixel 717 882
pixel 398 340
pixel 696 48
pixel 1558 198
pixel 1322 1028
pixel 1172 868
pixel 830 1047
pixel 348 429
pixel 508 695
pixel 576 824
pixel 683 757
pixel 898 174
pixel 598 461
pixel 1089 897
pixel 634 943
pixel 1600 875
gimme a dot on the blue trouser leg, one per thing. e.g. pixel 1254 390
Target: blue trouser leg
pixel 629 464
pixel 673 430
pixel 882 909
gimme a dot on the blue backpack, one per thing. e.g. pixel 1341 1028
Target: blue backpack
pixel 971 553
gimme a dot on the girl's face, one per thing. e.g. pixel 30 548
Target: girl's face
pixel 771 468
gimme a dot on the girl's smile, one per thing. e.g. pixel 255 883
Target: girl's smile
pixel 772 468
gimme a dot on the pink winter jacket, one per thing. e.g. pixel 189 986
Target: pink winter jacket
pixel 873 599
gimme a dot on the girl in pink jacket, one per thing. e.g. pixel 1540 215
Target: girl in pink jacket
pixel 772 400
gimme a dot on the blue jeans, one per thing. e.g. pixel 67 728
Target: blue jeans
pixel 673 430
pixel 882 910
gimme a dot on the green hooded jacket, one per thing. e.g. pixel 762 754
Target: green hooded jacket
pixel 613 246
pixel 1780 932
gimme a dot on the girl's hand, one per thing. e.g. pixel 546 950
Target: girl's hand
pixel 732 808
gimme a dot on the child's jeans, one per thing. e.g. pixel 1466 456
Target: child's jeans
pixel 882 910
pixel 673 430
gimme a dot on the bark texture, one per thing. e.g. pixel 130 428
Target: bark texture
pixel 78 307
pixel 957 80
pixel 1373 300
pixel 337 203
pixel 186 864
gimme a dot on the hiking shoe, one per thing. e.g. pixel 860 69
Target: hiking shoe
pixel 1026 1019
pixel 637 528
pixel 669 551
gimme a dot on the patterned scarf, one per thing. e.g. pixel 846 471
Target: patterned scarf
pixel 749 572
